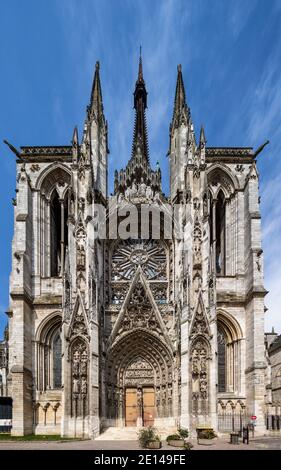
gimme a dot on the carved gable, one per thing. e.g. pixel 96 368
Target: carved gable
pixel 79 322
pixel 139 310
pixel 200 325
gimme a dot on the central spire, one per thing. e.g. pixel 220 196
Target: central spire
pixel 140 105
pixel 138 180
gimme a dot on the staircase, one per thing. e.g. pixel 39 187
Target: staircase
pixel 131 433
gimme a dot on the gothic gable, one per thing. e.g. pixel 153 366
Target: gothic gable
pixel 139 311
pixel 200 324
pixel 79 322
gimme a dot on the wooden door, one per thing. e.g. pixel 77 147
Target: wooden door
pixel 148 406
pixel 131 407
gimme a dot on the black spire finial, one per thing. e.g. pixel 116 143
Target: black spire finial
pixel 140 105
pixel 140 73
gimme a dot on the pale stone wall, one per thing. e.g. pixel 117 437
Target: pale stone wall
pixel 198 297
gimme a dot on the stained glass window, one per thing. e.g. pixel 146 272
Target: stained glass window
pixel 57 361
pixel 221 360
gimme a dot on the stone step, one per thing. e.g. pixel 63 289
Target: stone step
pixel 131 433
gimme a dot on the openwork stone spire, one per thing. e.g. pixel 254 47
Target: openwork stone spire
pixel 95 108
pixel 140 104
pixel 181 112
pixel 138 173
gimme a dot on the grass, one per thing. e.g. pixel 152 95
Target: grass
pixel 39 437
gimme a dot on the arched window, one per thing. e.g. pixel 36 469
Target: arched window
pixel 222 186
pixel 53 185
pixel 217 231
pixel 49 354
pixel 220 234
pixel 221 360
pixel 58 233
pixel 229 337
pixel 57 360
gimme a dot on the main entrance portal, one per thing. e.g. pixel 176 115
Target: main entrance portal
pixel 140 406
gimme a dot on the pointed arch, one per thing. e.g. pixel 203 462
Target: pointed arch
pixel 139 359
pixel 229 336
pixel 219 176
pixel 54 174
pixel 231 325
pixel 53 185
pixel 222 185
pixel 49 353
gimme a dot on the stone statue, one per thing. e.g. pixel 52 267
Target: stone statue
pixel 142 189
pixel 81 258
pixel 149 193
pixel 84 386
pixel 84 363
pixel 76 363
pixel 76 386
pixel 157 197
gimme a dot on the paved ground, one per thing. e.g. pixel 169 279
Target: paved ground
pixel 257 443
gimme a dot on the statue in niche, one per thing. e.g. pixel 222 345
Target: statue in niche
pixel 76 363
pixel 197 251
pixel 211 291
pixel 139 397
pixel 115 396
pixel 127 193
pixel 84 362
pixel 121 397
pixel 205 206
pixel 164 395
pixel 81 257
pixel 84 386
pixel 158 396
pixel 76 387
pixel 156 197
pixel 203 385
pixel 121 197
pixel 71 207
pixel 195 363
pixel 134 190
pixel 197 282
pixel 199 375
pixel 109 395
pixel 149 193
pixel 170 393
pixel 81 283
pixel 81 204
pixel 142 188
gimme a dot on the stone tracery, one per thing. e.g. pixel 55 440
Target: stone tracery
pixel 130 254
pixel 79 377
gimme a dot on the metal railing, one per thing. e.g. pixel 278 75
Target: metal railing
pixel 273 422
pixel 231 422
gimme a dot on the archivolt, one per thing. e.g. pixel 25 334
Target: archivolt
pixel 47 326
pixel 221 178
pixel 54 174
pixel 143 345
pixel 230 325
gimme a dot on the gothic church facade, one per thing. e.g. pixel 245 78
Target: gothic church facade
pixel 145 330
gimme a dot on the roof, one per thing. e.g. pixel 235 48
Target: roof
pixel 275 345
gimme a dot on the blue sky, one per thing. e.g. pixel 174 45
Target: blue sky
pixel 230 53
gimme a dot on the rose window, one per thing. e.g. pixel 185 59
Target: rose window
pixel 130 254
